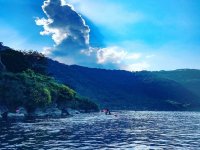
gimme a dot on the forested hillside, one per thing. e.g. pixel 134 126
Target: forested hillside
pixel 126 90
pixel 117 89
pixel 24 83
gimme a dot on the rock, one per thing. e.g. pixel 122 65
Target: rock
pixel 4 115
pixel 39 112
pixel 72 111
pixel 21 113
pixel 65 112
pixel 3 109
pixel 22 110
pixel 54 112
pixel 15 116
pixel 47 112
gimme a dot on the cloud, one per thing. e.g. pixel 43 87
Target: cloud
pixel 111 54
pixel 96 36
pixel 136 66
pixel 115 55
pixel 118 58
pixel 47 51
pixel 65 25
pixel 71 35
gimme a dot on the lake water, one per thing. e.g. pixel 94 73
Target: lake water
pixel 126 130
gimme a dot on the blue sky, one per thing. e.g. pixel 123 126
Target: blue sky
pixel 113 34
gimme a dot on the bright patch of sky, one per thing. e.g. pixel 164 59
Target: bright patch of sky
pixel 17 24
pixel 132 34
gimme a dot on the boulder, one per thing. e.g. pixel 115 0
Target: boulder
pixel 15 116
pixel 54 112
pixel 21 113
pixel 3 109
pixel 47 112
pixel 22 110
pixel 39 112
pixel 73 111
pixel 65 112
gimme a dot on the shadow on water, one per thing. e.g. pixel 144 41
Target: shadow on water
pixel 127 130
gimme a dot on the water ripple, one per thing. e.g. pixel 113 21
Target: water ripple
pixel 127 130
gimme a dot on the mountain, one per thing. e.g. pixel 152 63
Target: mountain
pixel 189 78
pixel 116 89
pixel 119 89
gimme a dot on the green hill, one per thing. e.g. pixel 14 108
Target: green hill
pixel 23 83
pixel 32 90
pixel 116 89
pixel 126 90
pixel 189 78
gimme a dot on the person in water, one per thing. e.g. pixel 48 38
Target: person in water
pixel 107 111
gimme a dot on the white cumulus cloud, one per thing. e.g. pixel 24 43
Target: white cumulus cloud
pixel 136 66
pixel 115 55
pixel 70 33
pixel 111 55
pixel 64 24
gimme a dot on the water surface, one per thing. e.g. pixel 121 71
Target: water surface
pixel 126 130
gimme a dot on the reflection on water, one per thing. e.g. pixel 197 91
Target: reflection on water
pixel 127 130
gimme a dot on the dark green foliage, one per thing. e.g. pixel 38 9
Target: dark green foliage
pixel 85 104
pixel 17 61
pixel 23 89
pixel 33 90
pixel 21 86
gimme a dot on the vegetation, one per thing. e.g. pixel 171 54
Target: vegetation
pixel 189 78
pixel 18 61
pixel 163 90
pixel 32 90
pixel 82 103
pixel 25 83
pixel 118 89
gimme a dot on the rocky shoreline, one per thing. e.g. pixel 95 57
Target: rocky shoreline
pixel 47 112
